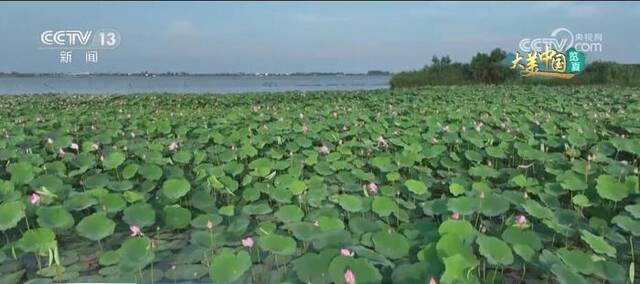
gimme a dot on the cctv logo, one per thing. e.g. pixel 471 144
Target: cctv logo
pixel 65 38
pixel 555 41
pixel 77 39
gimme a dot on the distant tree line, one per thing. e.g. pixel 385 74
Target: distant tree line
pixel 490 69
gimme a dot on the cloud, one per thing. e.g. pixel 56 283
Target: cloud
pixel 319 19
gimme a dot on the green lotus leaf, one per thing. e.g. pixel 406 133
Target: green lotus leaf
pixel 113 160
pixel 21 172
pixel 55 217
pixel 182 156
pixel 228 266
pixel 278 244
pixel 228 210
pixel 463 205
pixel 517 236
pixel 391 244
pixel 110 257
pixel 130 171
pixel 416 186
pixel 313 268
pixel 461 228
pixel 47 182
pixel 175 188
pixel 177 217
pixel 112 202
pixel 139 214
pixel 456 189
pixel 571 181
pixel 493 205
pixel 597 243
pixel 565 275
pixel 260 208
pixel 581 200
pixel 37 240
pixel 362 270
pixel 609 188
pixel 297 187
pixel 12 213
pixel 136 250
pixel 350 202
pixel 95 227
pixel 577 259
pixel 289 213
pixel 627 224
pixel 496 251
pixel 151 172
pixel 261 167
pixel 634 210
pixel 483 171
pixel 384 206
pixel 304 231
pixel 456 269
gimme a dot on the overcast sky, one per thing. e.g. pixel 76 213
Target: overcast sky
pixel 208 37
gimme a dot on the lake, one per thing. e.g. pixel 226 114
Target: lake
pixel 88 84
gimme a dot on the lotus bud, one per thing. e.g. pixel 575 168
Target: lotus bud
pixel 349 277
pixel 35 198
pixel 135 230
pixel 521 219
pixel 173 146
pixel 455 216
pixel 247 242
pixel 346 252
pixel 372 187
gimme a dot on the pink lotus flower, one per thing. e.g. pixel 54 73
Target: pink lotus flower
pixel 209 225
pixel 323 150
pixel 173 146
pixel 349 277
pixel 372 187
pixel 49 141
pixel 135 230
pixel 346 252
pixel 521 219
pixel 455 215
pixel 383 142
pixel 74 146
pixel 61 152
pixel 35 198
pixel 95 146
pixel 247 242
pixel 432 280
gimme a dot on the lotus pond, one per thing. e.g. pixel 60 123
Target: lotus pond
pixel 439 185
